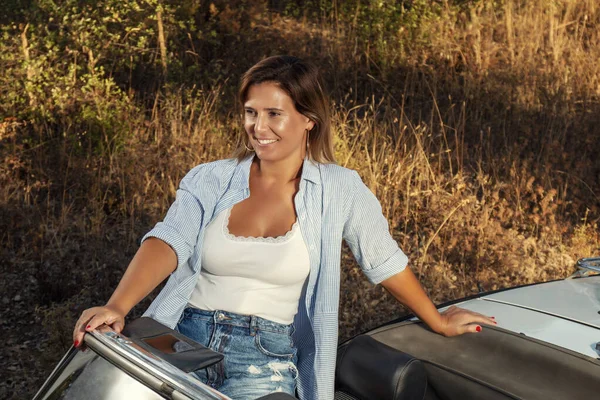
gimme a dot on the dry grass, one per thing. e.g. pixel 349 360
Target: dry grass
pixel 476 130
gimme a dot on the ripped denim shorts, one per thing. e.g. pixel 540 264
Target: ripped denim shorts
pixel 260 356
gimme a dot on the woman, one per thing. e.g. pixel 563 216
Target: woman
pixel 253 247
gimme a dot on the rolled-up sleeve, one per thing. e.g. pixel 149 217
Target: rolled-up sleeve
pixel 181 225
pixel 367 233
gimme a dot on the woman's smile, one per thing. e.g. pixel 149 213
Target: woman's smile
pixel 265 142
pixel 277 131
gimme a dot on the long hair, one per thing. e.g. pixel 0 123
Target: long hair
pixel 302 82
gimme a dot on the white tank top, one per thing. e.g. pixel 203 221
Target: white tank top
pixel 251 276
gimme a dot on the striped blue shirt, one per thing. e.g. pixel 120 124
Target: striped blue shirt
pixel 332 204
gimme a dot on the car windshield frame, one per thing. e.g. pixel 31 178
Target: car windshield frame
pixel 116 347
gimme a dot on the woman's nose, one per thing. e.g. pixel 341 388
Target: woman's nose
pixel 260 123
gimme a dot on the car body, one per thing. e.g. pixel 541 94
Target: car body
pixel 546 346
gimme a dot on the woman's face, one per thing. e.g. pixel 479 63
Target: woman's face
pixel 277 131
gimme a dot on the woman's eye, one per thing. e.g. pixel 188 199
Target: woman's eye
pixel 274 114
pixel 250 113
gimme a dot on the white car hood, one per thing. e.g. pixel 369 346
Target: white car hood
pixel 575 299
pixel 564 313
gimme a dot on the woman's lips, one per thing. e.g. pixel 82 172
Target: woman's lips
pixel 265 142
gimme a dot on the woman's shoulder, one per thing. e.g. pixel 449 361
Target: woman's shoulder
pixel 335 170
pixel 213 170
pixel 340 182
pixel 336 174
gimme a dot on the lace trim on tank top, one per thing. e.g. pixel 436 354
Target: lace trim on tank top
pixel 259 239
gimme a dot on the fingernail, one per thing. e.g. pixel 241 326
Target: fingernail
pixel 87 327
pixel 493 317
pixel 76 343
pixel 478 329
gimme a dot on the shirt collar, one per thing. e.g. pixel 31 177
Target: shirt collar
pixel 310 172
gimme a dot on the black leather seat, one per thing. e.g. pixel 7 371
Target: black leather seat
pixel 367 369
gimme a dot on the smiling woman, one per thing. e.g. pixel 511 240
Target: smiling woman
pixel 276 130
pixel 292 96
pixel 252 245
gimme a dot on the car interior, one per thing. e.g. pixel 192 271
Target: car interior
pixel 399 361
pixel 408 361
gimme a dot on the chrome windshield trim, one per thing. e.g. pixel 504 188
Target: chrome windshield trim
pixel 586 266
pixel 56 372
pixel 591 263
pixel 174 382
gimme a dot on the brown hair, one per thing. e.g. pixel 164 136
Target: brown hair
pixel 302 82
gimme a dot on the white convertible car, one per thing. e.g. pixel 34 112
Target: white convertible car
pixel 546 346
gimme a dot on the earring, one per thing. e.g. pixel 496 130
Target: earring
pixel 248 148
pixel 307 142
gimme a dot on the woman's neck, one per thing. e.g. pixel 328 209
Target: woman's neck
pixel 277 171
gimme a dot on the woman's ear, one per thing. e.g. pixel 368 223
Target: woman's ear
pixel 311 125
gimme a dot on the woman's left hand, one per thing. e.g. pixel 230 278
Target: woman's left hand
pixel 456 321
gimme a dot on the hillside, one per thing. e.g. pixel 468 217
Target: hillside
pixel 475 123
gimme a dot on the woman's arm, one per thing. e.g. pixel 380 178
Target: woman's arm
pixel 367 233
pixel 169 244
pixel 405 287
pixel 152 263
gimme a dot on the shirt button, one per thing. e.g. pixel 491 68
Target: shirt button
pixel 302 217
pixel 312 246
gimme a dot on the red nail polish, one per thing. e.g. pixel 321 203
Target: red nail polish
pixel 76 343
pixel 87 327
pixel 493 317
pixel 478 329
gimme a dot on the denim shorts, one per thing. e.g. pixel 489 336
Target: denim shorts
pixel 260 356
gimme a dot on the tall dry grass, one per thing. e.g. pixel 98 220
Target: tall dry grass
pixel 484 152
pixel 476 129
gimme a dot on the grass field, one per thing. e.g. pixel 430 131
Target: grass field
pixel 474 123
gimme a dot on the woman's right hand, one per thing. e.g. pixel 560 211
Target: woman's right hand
pixel 93 317
pixel 153 262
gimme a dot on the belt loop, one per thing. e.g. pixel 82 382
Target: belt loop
pixel 253 325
